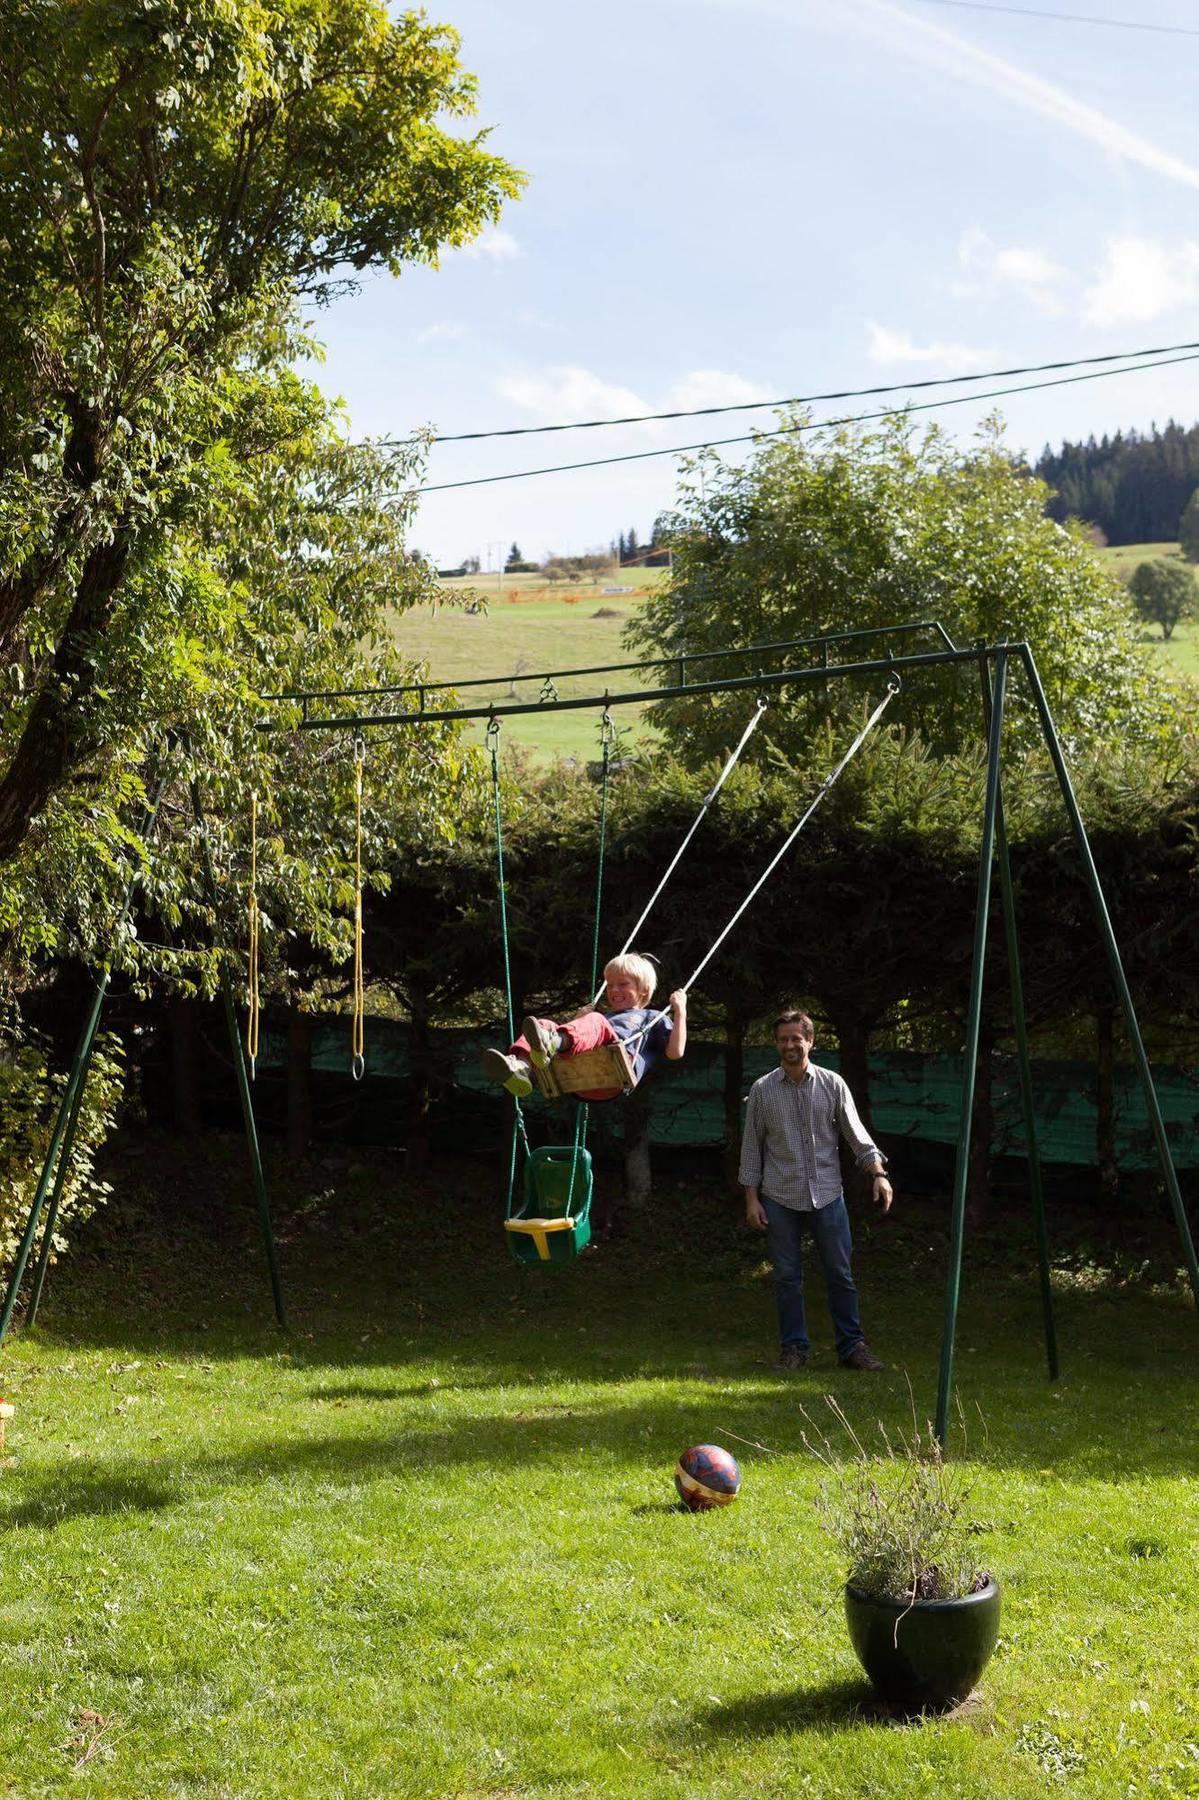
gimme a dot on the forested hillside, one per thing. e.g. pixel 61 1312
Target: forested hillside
pixel 1134 486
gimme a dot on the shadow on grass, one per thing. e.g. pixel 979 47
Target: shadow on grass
pixel 376 1291
pixel 90 1494
pixel 847 1702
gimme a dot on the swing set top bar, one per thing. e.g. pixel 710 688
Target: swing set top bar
pixel 681 659
pixel 763 683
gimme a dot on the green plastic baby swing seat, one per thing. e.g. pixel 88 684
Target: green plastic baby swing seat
pixel 541 1230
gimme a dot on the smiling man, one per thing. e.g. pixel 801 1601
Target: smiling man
pixel 791 1173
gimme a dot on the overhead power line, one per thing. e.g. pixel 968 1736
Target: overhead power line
pixel 599 462
pixel 1038 12
pixel 862 393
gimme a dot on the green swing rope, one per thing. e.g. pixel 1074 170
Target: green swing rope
pixel 520 1137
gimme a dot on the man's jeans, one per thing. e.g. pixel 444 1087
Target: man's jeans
pixel 829 1225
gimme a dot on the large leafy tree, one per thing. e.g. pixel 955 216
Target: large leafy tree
pixel 852 528
pixel 178 515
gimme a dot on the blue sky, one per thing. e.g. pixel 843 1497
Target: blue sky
pixel 743 199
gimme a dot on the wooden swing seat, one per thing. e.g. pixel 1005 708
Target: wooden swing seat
pixel 607 1066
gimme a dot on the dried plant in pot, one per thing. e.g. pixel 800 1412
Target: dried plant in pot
pixel 922 1610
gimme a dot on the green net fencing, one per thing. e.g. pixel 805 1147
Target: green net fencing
pixel 913 1096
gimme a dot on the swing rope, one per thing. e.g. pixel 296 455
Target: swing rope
pixel 824 788
pixel 677 858
pixel 358 1028
pixel 607 739
pixel 254 1010
pixel 520 1137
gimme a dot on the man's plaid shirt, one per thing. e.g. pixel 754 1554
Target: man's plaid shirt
pixel 789 1143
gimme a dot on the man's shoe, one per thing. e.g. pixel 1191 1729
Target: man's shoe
pixel 543 1041
pixel 792 1356
pixel 862 1357
pixel 509 1071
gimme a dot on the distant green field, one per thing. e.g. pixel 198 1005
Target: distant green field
pixel 1182 650
pixel 530 627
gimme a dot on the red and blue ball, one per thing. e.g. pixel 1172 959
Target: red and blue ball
pixel 706 1476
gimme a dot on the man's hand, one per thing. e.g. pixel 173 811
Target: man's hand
pixel 882 1193
pixel 755 1213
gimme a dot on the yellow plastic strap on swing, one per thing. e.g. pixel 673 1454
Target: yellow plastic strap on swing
pixel 357 1031
pixel 538 1229
pixel 253 1013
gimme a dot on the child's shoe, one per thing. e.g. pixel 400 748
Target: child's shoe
pixel 543 1041
pixel 509 1071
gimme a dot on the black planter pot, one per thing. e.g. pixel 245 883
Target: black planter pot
pixel 924 1652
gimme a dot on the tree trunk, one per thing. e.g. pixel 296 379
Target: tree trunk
pixel 638 1175
pixel 416 1136
pixel 1105 1102
pixel 185 1068
pixel 55 736
pixel 299 1083
pixel 982 1127
pixel 734 1083
pixel 853 1036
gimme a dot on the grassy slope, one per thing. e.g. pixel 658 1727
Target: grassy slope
pixel 554 627
pixel 425 1545
pixel 546 627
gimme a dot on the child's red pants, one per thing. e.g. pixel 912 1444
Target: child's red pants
pixel 585 1033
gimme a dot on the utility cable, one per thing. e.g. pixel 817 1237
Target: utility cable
pixel 599 462
pixel 862 393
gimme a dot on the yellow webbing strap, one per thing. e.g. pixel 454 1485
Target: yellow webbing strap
pixel 357 1031
pixel 538 1229
pixel 252 1016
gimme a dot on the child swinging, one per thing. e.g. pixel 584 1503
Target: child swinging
pixel 629 983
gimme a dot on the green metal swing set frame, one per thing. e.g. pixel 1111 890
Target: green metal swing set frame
pixel 556 1169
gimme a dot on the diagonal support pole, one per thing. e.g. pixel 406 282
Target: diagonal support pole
pixel 1032 1153
pixel 1123 991
pixel 973 1027
pixel 62 1136
pixel 239 1065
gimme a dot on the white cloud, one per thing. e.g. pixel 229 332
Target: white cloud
pixel 496 245
pixel 1030 271
pixel 962 60
pixel 1142 279
pixel 890 349
pixel 715 387
pixel 566 392
pixel 442 334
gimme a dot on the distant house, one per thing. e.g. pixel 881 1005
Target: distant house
pixel 451 574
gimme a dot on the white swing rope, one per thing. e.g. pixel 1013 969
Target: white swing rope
pixel 776 859
pixel 709 797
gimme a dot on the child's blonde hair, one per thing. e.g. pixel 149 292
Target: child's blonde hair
pixel 635 968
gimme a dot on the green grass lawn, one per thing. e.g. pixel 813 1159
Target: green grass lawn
pixel 425 1543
